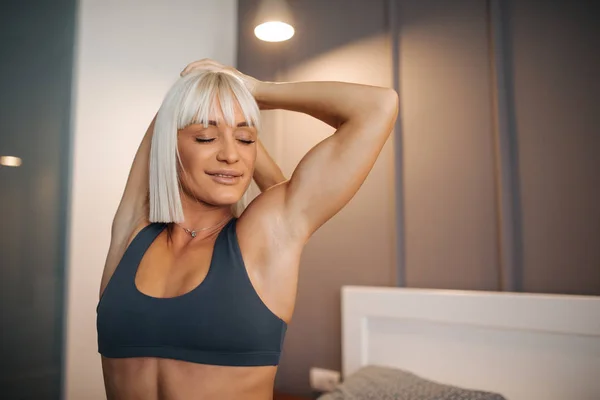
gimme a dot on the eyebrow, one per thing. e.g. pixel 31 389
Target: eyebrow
pixel 239 125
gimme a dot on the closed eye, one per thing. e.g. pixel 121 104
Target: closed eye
pixel 246 141
pixel 204 140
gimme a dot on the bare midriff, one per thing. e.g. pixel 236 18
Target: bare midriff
pixel 166 379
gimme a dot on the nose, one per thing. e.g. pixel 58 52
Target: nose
pixel 228 152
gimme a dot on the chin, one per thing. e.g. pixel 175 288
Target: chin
pixel 226 198
pixel 219 195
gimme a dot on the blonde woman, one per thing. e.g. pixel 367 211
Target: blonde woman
pixel 198 289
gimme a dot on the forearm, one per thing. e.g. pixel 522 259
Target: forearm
pixel 137 186
pixel 133 206
pixel 334 103
pixel 266 172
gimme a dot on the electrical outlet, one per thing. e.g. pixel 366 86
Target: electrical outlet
pixel 323 380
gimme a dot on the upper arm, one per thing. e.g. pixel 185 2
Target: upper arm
pixel 326 178
pixel 332 172
pixel 132 213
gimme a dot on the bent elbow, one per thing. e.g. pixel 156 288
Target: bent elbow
pixel 388 104
pixel 392 101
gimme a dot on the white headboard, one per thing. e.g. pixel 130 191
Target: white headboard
pixel 523 346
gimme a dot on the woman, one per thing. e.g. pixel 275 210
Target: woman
pixel 196 296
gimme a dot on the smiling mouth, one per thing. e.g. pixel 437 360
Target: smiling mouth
pixel 225 174
pixel 224 178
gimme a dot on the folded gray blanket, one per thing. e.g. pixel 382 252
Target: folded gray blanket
pixel 383 383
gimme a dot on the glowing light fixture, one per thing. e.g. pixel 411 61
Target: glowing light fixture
pixel 274 31
pixel 273 21
pixel 10 161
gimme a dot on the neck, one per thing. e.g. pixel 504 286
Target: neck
pixel 199 215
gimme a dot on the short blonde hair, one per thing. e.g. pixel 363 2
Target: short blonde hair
pixel 190 101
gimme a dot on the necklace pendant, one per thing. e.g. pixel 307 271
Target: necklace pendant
pixel 193 233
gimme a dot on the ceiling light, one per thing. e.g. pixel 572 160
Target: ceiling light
pixel 274 31
pixel 273 22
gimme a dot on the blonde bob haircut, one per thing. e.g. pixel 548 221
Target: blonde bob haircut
pixel 190 101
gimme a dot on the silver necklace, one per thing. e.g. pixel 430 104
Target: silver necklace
pixel 194 232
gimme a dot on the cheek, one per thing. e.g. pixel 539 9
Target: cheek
pixel 248 154
pixel 184 151
pixel 191 155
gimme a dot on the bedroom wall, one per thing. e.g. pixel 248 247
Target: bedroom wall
pixel 121 77
pixel 458 224
pixel 450 228
pixel 557 123
pixel 452 211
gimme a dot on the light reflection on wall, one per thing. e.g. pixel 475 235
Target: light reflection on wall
pixel 10 161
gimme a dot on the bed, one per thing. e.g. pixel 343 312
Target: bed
pixel 521 346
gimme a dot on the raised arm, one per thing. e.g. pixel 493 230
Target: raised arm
pixel 331 173
pixel 133 208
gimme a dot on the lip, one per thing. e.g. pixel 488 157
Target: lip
pixel 225 177
pixel 228 172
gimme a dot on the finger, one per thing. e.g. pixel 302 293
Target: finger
pixel 202 68
pixel 191 67
pixel 205 63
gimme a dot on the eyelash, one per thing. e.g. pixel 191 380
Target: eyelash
pixel 201 140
